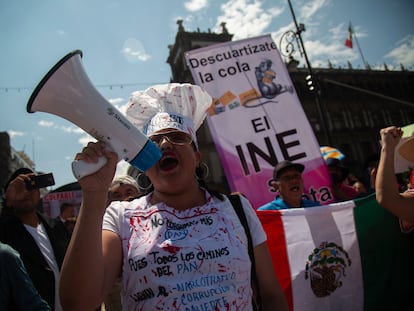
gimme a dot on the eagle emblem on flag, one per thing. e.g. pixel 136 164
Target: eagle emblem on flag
pixel 326 267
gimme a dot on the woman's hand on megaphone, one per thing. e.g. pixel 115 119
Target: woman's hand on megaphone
pixel 100 180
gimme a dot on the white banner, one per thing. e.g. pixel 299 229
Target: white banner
pixel 256 119
pixel 52 202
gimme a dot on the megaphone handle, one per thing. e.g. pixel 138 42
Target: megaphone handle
pixel 81 168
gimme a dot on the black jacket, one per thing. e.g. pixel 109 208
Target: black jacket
pixel 13 232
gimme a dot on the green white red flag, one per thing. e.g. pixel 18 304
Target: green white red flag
pixel 348 40
pixel 343 256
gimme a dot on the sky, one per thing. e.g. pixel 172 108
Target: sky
pixel 125 48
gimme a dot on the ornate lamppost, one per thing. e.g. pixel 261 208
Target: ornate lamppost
pixel 287 48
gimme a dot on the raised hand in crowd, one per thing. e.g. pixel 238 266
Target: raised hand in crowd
pixel 386 184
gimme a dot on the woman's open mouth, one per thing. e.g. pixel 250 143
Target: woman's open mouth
pixel 168 162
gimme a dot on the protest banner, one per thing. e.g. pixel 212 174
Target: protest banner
pixel 256 119
pixel 52 201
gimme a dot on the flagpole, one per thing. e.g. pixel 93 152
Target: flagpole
pixel 359 48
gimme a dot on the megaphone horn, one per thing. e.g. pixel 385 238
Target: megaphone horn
pixel 66 91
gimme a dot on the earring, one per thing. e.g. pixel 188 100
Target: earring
pixel 144 183
pixel 202 171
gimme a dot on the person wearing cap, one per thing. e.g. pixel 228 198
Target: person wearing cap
pixel 123 188
pixel 179 247
pixel 387 193
pixel 288 181
pixel 40 240
pixel 339 173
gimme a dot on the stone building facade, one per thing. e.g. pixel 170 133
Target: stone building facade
pixel 352 105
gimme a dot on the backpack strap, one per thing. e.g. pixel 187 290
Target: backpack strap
pixel 237 205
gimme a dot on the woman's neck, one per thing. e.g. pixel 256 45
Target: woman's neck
pixel 181 200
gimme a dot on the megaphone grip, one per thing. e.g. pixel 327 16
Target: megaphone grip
pixel 81 168
pixel 147 157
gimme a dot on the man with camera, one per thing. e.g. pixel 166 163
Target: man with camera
pixel 40 240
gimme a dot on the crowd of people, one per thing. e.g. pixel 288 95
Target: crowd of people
pixel 164 241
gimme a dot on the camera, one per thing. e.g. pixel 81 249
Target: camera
pixel 40 181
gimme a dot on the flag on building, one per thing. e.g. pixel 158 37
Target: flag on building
pixel 348 40
pixel 343 256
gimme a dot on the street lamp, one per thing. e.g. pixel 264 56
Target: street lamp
pixel 290 37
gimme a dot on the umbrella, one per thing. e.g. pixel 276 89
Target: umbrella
pixel 330 152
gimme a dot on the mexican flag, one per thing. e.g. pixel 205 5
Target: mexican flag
pixel 348 40
pixel 343 256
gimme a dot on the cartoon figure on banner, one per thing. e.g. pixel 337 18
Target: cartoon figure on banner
pixel 265 77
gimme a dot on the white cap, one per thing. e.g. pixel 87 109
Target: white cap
pixel 177 106
pixel 124 180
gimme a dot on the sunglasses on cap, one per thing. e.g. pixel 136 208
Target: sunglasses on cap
pixel 176 138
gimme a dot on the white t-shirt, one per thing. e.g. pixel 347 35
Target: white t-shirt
pixel 39 234
pixel 195 259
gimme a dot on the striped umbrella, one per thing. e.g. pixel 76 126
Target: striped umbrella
pixel 330 152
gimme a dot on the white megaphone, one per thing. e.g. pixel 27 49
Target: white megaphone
pixel 66 91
